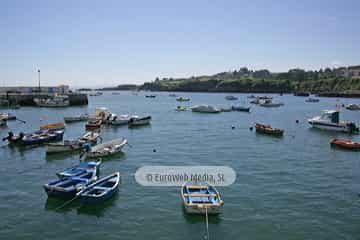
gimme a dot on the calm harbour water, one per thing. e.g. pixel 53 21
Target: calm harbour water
pixel 295 187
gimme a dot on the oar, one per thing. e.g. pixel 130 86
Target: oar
pixel 21 120
pixel 129 145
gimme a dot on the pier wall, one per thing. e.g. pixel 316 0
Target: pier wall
pixel 23 99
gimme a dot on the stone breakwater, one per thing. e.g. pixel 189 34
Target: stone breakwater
pixel 75 99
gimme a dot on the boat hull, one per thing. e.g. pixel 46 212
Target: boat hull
pixel 202 210
pixel 329 126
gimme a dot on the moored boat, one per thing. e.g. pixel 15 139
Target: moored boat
pixel 182 99
pixel 116 120
pixel 201 198
pixel 93 124
pixel 353 106
pixel 180 109
pixel 38 137
pixel 267 129
pixel 3 123
pixel 205 109
pixel 53 126
pixel 95 94
pixel 101 190
pixel 78 118
pixel 330 120
pixel 269 103
pixel 68 187
pixel 150 96
pixel 231 98
pixel 312 100
pixel 240 108
pixel 137 121
pixel 106 149
pixel 55 101
pixel 79 169
pixel 7 116
pixel 346 144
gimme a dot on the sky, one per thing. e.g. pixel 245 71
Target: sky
pixel 107 43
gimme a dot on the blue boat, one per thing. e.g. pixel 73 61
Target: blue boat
pixel 68 187
pixel 38 137
pixel 100 190
pixel 79 169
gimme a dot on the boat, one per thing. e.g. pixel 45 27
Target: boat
pixel 72 145
pixel 116 120
pixel 180 109
pixel 53 126
pixel 231 98
pixel 346 144
pixel 265 97
pixel 7 116
pixel 255 101
pixel 100 190
pixel 55 101
pixel 77 118
pixel 267 129
pixel 3 123
pixel 79 169
pixel 312 100
pixel 330 120
pixel 205 109
pixel 93 124
pixel 240 108
pixel 172 95
pixel 301 94
pixel 102 113
pixel 115 93
pixel 201 198
pixel 182 99
pixel 137 121
pixel 225 109
pixel 106 149
pixel 251 96
pixel 38 137
pixel 67 188
pixel 269 103
pixel 353 106
pixel 150 96
pixel 95 94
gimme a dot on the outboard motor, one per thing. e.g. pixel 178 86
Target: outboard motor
pixel 21 135
pixel 9 136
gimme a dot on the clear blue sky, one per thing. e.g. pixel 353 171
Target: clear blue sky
pixel 102 43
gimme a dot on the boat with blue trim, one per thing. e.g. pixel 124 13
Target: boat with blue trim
pixel 79 169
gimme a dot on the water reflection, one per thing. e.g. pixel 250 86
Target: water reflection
pixel 197 218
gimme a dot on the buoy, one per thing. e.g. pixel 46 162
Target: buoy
pixel 232 127
pixel 251 128
pixel 154 150
pixel 297 121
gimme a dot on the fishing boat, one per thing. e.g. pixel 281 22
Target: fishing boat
pixel 201 198
pixel 182 99
pixel 330 120
pixel 180 109
pixel 137 121
pixel 231 98
pixel 93 124
pixel 205 109
pixel 116 120
pixel 267 129
pixel 53 126
pixel 77 118
pixel 101 190
pixel 346 144
pixel 240 108
pixel 67 188
pixel 72 145
pixel 150 96
pixel 7 116
pixel 269 103
pixel 55 101
pixel 353 106
pixel 38 137
pixel 106 149
pixel 312 100
pixel 79 169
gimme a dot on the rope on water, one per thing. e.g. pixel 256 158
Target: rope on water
pixel 207 224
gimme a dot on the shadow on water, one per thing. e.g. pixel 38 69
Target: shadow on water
pixel 97 210
pixel 196 218
pixel 52 204
pixel 61 156
pixel 117 156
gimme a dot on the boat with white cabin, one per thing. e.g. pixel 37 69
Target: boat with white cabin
pixel 330 120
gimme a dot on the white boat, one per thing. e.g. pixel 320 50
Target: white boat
pixel 56 101
pixel 330 120
pixel 180 109
pixel 72 145
pixel 119 120
pixel 269 103
pixel 182 99
pixel 107 148
pixel 137 121
pixel 205 109
pixel 78 118
pixel 201 198
pixel 353 106
pixel 231 98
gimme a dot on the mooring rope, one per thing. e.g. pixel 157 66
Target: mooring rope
pixel 207 224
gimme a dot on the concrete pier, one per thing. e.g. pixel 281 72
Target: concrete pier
pixel 27 99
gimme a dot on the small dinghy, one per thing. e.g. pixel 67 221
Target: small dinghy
pixel 267 129
pixel 180 109
pixel 100 190
pixel 38 137
pixel 353 106
pixel 201 198
pixel 79 169
pixel 269 103
pixel 231 98
pixel 312 100
pixel 72 145
pixel 136 121
pixel 78 118
pixel 240 108
pixel 205 109
pixel 7 116
pixel 150 96
pixel 346 144
pixel 106 149
pixel 53 126
pixel 93 124
pixel 183 99
pixel 68 187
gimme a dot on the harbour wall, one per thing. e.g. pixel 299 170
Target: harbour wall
pixel 24 99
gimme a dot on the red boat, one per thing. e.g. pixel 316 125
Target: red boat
pixel 346 144
pixel 267 129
